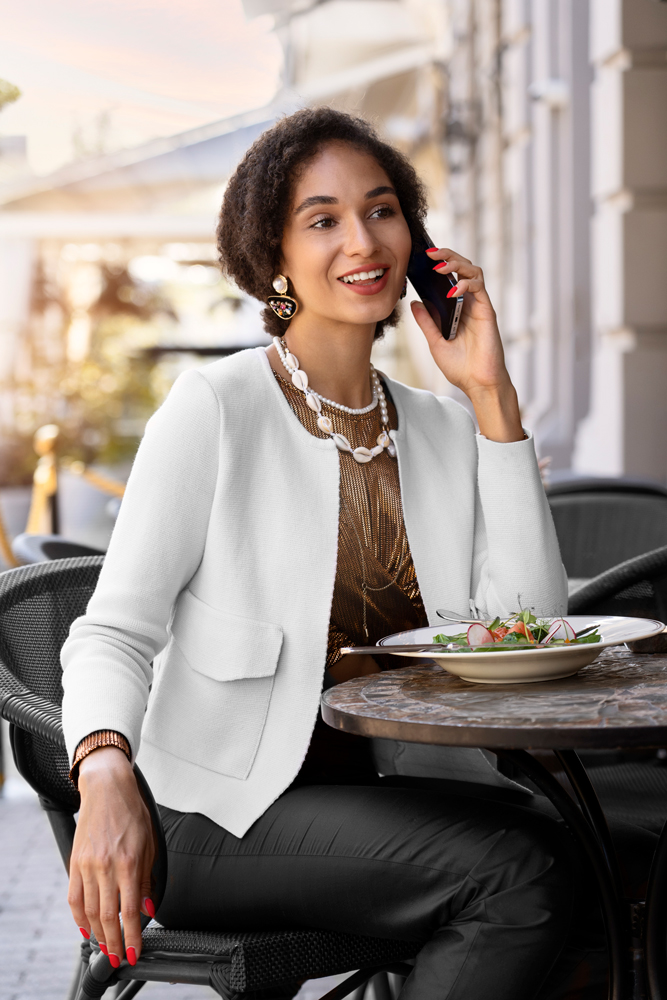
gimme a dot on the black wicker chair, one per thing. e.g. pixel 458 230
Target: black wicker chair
pixel 632 785
pixel 37 606
pixel 603 522
pixel 636 587
pixel 30 549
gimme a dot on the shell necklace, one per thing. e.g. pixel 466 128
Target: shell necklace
pixel 314 401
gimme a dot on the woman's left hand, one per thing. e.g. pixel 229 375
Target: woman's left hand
pixel 474 360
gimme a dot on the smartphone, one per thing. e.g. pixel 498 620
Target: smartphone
pixel 432 287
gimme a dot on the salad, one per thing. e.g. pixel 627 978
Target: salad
pixel 521 630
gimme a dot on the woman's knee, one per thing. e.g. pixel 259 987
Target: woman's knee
pixel 527 857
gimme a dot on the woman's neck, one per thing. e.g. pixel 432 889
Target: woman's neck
pixel 336 360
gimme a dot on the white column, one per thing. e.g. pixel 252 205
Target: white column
pixel 626 430
pixel 547 185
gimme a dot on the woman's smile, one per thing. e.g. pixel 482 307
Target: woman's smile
pixel 366 280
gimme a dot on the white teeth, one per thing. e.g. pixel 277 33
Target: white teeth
pixel 364 275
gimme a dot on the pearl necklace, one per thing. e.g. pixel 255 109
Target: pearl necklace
pixel 314 400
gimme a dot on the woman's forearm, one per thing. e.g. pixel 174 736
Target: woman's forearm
pixel 497 412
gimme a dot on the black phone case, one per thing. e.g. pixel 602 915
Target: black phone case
pixel 432 287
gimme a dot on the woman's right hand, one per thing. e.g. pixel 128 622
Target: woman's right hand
pixel 112 855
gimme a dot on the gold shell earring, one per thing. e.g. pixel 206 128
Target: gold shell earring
pixel 283 305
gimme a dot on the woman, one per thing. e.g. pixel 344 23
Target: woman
pixel 264 529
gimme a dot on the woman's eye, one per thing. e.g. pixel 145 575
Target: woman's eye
pixel 382 212
pixel 326 222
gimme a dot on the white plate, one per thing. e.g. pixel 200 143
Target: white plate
pixel 508 667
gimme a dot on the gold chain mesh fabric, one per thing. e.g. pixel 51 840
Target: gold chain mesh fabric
pixel 373 551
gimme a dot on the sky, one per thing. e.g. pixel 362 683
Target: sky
pixel 99 75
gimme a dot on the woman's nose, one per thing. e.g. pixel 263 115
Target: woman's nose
pixel 359 240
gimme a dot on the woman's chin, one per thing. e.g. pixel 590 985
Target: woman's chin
pixel 366 312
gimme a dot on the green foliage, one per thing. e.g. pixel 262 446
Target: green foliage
pixel 8 93
pixel 111 390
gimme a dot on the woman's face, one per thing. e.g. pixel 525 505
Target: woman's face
pixel 344 222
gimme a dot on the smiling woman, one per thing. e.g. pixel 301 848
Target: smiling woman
pixel 285 503
pixel 260 199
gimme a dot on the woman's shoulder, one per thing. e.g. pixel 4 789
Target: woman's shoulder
pixel 240 370
pixel 236 377
pixel 205 397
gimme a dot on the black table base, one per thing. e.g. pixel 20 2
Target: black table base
pixel 636 931
pixel 619 701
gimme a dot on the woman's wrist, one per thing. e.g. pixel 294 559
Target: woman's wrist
pixel 99 740
pixel 104 760
pixel 497 412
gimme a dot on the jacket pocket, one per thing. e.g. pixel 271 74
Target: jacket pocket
pixel 223 646
pixel 213 690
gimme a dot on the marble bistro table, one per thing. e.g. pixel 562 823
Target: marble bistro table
pixel 619 701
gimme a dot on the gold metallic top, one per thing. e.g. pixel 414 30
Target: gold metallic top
pixel 376 590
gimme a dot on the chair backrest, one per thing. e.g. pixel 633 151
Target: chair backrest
pixel 40 548
pixel 38 604
pixel 636 588
pixel 600 484
pixel 601 528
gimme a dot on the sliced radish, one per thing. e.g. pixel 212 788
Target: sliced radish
pixel 560 629
pixel 479 635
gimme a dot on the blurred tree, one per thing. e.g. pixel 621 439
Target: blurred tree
pixel 8 93
pixel 109 396
pixel 122 295
pixel 100 402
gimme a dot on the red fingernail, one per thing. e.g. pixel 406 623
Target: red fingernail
pixel 114 959
pixel 430 249
pixel 149 908
pixel 103 949
pixel 85 933
pixel 452 291
pixel 131 956
pixel 441 264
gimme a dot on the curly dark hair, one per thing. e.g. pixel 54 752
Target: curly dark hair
pixel 259 194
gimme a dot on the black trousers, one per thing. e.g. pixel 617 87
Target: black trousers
pixel 488 888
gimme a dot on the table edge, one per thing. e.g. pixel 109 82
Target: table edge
pixel 471 735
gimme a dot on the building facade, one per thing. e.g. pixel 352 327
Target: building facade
pixel 540 129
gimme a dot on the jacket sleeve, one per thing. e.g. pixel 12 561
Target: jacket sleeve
pixel 155 549
pixel 516 557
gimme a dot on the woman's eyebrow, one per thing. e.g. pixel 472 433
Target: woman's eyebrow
pixel 316 199
pixel 327 199
pixel 383 189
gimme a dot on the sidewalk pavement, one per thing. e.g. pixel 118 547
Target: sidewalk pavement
pixel 39 942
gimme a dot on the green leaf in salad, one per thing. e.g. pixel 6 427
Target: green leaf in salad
pixel 591 637
pixel 538 630
pixel 461 639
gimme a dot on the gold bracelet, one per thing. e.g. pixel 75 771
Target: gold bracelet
pixel 102 738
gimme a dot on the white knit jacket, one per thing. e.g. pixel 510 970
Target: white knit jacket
pixel 221 571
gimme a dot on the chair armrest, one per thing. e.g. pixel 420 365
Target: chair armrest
pixel 159 871
pixel 39 717
pixel 647 565
pixel 33 713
